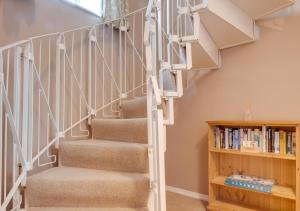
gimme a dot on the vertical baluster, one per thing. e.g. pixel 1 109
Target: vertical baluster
pixel 17 88
pixel 25 122
pixel 81 85
pixel 7 70
pixel 112 66
pixel 90 71
pixel 95 72
pixel 49 68
pixel 64 86
pixel 120 61
pixel 39 123
pixel 93 39
pixel 103 70
pixel 48 95
pixel 59 48
pixel 71 81
pixel 133 57
pixel 142 52
pixel 16 107
pixel 125 61
pixel 40 57
pixel 1 123
pixel 5 159
pixel 39 100
pixel 30 110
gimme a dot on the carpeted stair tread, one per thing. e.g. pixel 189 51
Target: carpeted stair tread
pixel 126 130
pixel 83 209
pixel 79 187
pixel 134 108
pixel 104 155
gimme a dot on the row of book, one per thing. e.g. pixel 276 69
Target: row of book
pixel 256 140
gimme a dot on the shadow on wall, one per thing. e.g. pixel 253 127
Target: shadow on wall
pixel 202 147
pixel 23 11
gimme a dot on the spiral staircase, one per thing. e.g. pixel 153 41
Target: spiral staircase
pixel 119 164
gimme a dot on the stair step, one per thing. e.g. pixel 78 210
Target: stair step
pixel 83 209
pixel 258 8
pixel 134 108
pixel 104 155
pixel 227 24
pixel 78 187
pixel 126 130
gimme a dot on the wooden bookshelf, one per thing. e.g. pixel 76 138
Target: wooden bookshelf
pixel 284 169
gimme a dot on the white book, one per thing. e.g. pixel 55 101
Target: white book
pixel 226 138
pixel 241 138
pixel 277 144
pixel 264 139
pixel 250 135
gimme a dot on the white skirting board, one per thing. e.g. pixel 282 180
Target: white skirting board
pixel 187 193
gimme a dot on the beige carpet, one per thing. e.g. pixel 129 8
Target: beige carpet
pixel 176 202
pixel 106 173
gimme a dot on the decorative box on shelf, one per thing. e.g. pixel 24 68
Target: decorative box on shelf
pixel 252 183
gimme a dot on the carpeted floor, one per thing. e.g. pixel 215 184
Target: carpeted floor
pixel 176 202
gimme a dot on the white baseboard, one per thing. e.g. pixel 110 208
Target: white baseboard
pixel 187 193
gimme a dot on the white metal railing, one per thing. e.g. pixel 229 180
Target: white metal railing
pixel 51 85
pixel 171 27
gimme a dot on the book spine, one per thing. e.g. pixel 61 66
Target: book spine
pixel 226 140
pixel 269 140
pixel 217 137
pixel 284 143
pixel 263 139
pixel 289 143
pixel 294 143
pixel 230 138
pixel 281 142
pixel 276 143
pixel 273 141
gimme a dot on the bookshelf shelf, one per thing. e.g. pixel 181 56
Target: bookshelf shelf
pixel 277 190
pixel 225 206
pixel 258 154
pixel 227 159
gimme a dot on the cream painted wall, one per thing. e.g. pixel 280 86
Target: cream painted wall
pixel 22 19
pixel 26 18
pixel 264 75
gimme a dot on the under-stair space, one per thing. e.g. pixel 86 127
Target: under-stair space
pixel 109 171
pixel 111 87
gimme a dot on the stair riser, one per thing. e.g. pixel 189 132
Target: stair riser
pixel 88 194
pixel 136 108
pixel 104 157
pixel 130 130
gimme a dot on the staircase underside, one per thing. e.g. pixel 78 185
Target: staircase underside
pixel 259 8
pixel 228 23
